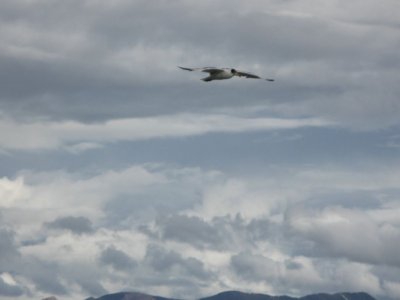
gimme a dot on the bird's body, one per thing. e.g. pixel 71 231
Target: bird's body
pixel 223 73
pixel 218 74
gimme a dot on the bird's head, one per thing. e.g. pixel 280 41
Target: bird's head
pixel 233 71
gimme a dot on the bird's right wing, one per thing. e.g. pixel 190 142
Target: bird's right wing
pixel 189 69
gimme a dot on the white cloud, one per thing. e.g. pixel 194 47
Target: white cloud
pixel 53 135
pixel 8 278
pixel 11 191
pixel 312 245
pixel 82 147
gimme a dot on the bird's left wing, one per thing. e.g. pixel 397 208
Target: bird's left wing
pixel 189 69
pixel 249 75
pixel 206 69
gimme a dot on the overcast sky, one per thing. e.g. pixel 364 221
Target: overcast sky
pixel 120 171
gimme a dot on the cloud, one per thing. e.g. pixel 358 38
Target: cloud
pixel 253 267
pixel 118 259
pixel 172 263
pixel 82 147
pixel 8 248
pixel 8 286
pixel 77 225
pixel 192 230
pixel 45 276
pixel 10 190
pixel 333 231
pixel 128 67
pixel 262 237
pixel 112 157
pixel 52 135
pixel 313 274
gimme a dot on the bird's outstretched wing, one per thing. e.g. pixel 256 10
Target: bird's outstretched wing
pixel 249 75
pixel 210 70
pixel 190 69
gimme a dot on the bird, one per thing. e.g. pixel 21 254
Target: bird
pixel 223 73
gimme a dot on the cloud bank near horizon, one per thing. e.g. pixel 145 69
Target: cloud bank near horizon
pixel 208 232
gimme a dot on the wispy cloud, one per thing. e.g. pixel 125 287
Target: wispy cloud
pixel 84 136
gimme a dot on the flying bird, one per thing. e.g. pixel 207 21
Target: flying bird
pixel 223 73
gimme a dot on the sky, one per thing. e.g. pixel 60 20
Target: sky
pixel 121 172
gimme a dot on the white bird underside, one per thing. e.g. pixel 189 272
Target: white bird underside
pixel 223 73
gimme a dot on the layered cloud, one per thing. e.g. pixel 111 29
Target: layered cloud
pixel 77 137
pixel 116 61
pixel 311 237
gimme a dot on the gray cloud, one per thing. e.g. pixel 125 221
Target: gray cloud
pixel 77 225
pixel 33 242
pixel 170 262
pixel 45 275
pixel 253 267
pixel 10 290
pixel 192 230
pixel 317 57
pixel 8 249
pixel 339 232
pixel 87 275
pixel 92 287
pixel 221 233
pixel 118 259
